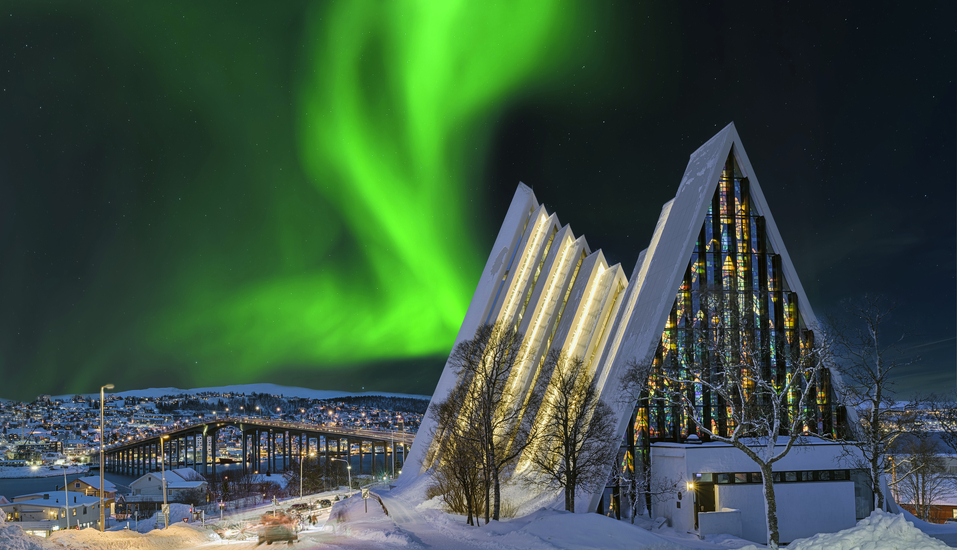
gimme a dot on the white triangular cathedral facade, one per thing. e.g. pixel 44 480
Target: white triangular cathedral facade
pixel 548 283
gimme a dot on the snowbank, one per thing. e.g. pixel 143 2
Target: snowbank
pixel 13 538
pixel 879 531
pixel 177 513
pixel 581 531
pixel 349 519
pixel 179 535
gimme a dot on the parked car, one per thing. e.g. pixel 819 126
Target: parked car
pixel 325 503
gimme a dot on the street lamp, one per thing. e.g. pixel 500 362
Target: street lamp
pixel 102 512
pixel 66 500
pixel 348 471
pixel 163 469
pixel 302 459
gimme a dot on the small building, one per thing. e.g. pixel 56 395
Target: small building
pixel 149 487
pixel 90 486
pixel 720 490
pixel 42 513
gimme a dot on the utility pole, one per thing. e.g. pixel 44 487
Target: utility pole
pixel 102 511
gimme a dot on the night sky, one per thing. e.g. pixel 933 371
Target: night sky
pixel 305 193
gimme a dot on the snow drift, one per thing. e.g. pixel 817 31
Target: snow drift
pixel 879 531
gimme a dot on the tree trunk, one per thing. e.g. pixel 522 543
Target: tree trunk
pixel 468 505
pixel 497 495
pixel 570 498
pixel 770 506
pixel 487 501
pixel 876 482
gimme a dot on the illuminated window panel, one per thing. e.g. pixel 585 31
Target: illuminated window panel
pixel 753 312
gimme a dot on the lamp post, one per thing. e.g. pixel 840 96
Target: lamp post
pixel 163 469
pixel 102 512
pixel 66 500
pixel 302 459
pixel 348 471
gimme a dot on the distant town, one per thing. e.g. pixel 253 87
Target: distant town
pixel 52 432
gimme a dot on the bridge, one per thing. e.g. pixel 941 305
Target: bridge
pixel 263 440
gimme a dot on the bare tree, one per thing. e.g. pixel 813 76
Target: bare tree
pixel 577 430
pixel 456 475
pixel 641 489
pixel 926 481
pixel 494 400
pixel 767 412
pixel 868 364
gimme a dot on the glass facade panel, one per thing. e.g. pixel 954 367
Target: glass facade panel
pixel 733 298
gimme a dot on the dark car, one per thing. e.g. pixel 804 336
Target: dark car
pixel 277 532
pixel 325 503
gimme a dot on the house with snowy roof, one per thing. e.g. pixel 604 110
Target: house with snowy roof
pixel 42 513
pixel 90 486
pixel 179 481
pixel 715 262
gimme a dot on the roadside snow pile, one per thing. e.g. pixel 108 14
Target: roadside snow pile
pixel 179 535
pixel 879 531
pixel 177 512
pixel 349 519
pixel 13 538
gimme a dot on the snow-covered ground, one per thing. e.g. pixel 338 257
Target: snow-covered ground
pixel 19 472
pixel 402 521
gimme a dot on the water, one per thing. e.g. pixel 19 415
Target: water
pixel 22 486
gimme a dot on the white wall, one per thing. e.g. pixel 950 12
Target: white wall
pixel 672 464
pixel 804 508
pixel 149 484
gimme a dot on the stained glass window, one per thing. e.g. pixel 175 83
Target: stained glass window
pixel 750 313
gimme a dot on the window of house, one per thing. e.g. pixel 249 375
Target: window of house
pixel 84 510
pixel 790 476
pixel 756 477
pixel 824 475
pixel 807 476
pixel 722 478
pixel 740 478
pixel 76 485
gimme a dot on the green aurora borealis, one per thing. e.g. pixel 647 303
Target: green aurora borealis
pixel 307 207
pixel 388 119
pixel 304 192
